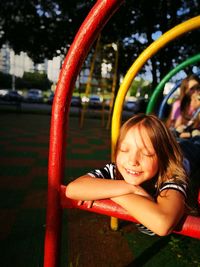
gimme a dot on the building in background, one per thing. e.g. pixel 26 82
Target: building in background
pixel 16 65
pixel 5 59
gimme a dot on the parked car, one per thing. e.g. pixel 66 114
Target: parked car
pixel 95 101
pixel 76 101
pixel 50 98
pixel 34 96
pixel 136 106
pixel 107 103
pixel 130 105
pixel 3 92
pixel 13 95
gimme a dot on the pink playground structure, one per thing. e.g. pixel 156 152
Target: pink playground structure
pixel 56 202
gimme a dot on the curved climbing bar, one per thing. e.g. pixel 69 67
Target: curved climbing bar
pixel 87 34
pixel 167 37
pixel 159 88
pixel 165 99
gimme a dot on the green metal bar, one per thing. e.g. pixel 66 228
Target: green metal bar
pixel 159 89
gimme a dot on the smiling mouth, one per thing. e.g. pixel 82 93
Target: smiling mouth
pixel 132 172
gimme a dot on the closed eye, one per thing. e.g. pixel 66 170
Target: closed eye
pixel 123 148
pixel 147 154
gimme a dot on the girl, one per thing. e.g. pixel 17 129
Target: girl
pixel 192 126
pixel 179 107
pixel 148 178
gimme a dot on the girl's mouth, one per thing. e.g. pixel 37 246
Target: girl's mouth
pixel 132 172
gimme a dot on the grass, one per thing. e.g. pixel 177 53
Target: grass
pixel 173 250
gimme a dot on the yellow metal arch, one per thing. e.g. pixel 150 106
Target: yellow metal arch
pixel 170 35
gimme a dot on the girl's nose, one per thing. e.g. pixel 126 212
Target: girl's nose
pixel 133 159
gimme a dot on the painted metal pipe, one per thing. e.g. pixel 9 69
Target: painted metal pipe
pixel 84 39
pixel 189 225
pixel 158 90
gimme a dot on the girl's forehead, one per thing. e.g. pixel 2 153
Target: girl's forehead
pixel 191 83
pixel 139 135
pixel 195 96
pixel 138 130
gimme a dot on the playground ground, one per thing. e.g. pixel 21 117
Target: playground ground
pixel 87 238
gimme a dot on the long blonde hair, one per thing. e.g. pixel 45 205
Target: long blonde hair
pixel 170 158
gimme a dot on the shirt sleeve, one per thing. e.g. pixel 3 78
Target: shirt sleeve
pixel 182 187
pixel 107 172
pixel 175 110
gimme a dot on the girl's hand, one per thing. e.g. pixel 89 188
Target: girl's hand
pixel 138 190
pixel 185 135
pixel 89 203
pixel 180 128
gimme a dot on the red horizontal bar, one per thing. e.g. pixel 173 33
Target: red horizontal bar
pixel 189 225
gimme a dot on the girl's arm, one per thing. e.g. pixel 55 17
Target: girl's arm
pixel 89 188
pixel 161 216
pixel 178 122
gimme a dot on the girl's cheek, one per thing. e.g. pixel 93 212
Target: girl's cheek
pixel 118 158
pixel 155 166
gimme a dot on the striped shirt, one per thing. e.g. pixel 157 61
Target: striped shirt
pixel 109 172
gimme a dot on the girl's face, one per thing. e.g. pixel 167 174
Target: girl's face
pixel 195 100
pixel 190 84
pixel 136 159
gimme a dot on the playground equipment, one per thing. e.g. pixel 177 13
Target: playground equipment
pixel 89 80
pixel 90 29
pixel 159 88
pixel 98 53
pixel 113 88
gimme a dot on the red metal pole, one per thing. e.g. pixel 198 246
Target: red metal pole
pixel 87 34
pixel 189 226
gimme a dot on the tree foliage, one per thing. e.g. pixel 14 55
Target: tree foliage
pixel 29 80
pixel 45 29
pixel 36 80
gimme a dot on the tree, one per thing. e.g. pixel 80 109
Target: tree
pixel 36 80
pixel 29 80
pixel 5 80
pixel 45 29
